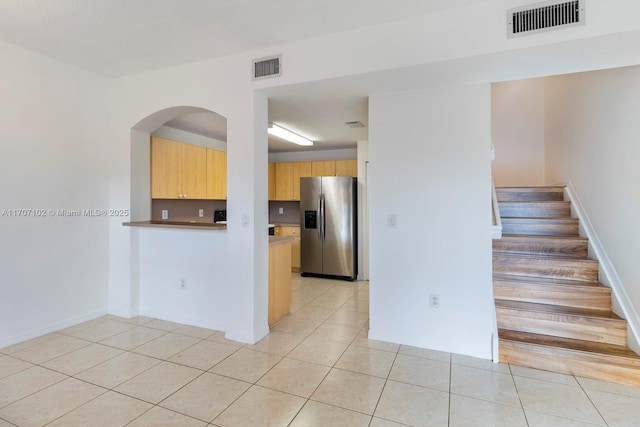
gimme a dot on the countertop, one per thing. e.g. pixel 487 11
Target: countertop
pixel 191 225
pixel 274 240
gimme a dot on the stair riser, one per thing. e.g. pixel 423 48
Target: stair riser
pixel 552 268
pixel 563 361
pixel 539 229
pixel 559 247
pixel 508 210
pixel 608 331
pixel 568 296
pixel 529 196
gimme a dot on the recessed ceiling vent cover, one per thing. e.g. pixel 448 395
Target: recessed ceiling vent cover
pixel 355 124
pixel 267 67
pixel 546 16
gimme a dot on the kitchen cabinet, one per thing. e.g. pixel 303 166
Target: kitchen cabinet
pixel 178 171
pixel 288 179
pixel 272 181
pixel 216 174
pixel 323 168
pixel 279 280
pixel 291 231
pixel 347 168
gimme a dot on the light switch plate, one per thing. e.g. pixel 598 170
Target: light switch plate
pixel 201 213
pixel 393 221
pixel 280 211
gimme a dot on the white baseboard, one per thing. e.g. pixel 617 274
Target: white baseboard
pixel 608 275
pixel 53 327
pixel 186 320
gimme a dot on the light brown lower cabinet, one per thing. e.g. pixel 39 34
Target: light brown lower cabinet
pixel 291 231
pixel 279 280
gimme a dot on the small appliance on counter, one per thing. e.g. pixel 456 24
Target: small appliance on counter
pixel 220 216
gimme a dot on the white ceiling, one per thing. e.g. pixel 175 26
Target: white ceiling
pixel 115 38
pixel 120 37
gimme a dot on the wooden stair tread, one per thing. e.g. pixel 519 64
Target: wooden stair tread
pixel 547 280
pixel 530 187
pixel 569 344
pixel 543 258
pixel 543 237
pixel 534 219
pixel 555 309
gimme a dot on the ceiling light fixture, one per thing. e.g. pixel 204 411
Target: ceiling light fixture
pixel 288 135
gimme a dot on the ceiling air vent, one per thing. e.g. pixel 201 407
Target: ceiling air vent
pixel 355 124
pixel 267 67
pixel 546 16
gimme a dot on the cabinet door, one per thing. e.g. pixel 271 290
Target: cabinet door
pixel 300 169
pixel 216 174
pixel 194 172
pixel 323 168
pixel 295 245
pixel 347 168
pixel 272 181
pixel 284 181
pixel 166 169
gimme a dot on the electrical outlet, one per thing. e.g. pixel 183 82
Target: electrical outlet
pixel 183 284
pixel 280 211
pixel 434 300
pixel 165 214
pixel 201 213
pixel 245 220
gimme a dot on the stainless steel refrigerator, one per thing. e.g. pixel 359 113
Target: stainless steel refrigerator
pixel 328 232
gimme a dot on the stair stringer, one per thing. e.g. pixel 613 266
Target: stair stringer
pixel 621 303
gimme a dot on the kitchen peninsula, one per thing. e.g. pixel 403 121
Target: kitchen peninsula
pixel 178 271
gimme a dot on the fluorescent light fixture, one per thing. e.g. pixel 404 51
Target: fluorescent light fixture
pixel 288 135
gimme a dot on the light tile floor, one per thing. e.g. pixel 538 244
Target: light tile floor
pixel 316 368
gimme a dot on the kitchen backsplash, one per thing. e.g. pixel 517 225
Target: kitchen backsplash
pixel 290 212
pixel 186 210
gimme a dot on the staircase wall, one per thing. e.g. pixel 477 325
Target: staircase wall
pixel 591 143
pixel 517 132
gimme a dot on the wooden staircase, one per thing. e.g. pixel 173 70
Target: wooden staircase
pixel 552 312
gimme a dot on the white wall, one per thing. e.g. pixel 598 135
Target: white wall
pixel 53 123
pixel 169 256
pixel 420 52
pixel 592 130
pixel 517 132
pixel 435 175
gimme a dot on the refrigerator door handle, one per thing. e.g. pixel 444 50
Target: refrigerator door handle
pixel 319 225
pixel 322 213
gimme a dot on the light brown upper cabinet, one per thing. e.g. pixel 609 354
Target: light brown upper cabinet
pixel 216 174
pixel 178 171
pixel 288 179
pixel 272 181
pixel 346 168
pixel 323 168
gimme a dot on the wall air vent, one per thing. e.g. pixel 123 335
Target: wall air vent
pixel 546 16
pixel 267 67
